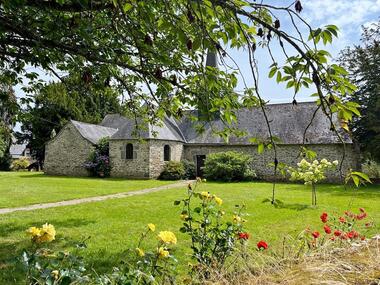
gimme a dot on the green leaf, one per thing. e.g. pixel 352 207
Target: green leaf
pixel 260 148
pixel 127 6
pixel 177 202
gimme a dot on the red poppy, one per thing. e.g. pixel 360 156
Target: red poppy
pixel 361 216
pixel 262 245
pixel 324 217
pixel 315 234
pixel 342 220
pixel 243 236
pixel 337 233
pixel 327 229
pixel 362 237
pixel 332 238
pixel 352 234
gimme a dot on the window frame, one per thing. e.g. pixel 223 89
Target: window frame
pixel 167 152
pixel 129 151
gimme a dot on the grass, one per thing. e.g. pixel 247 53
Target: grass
pixel 25 188
pixel 115 225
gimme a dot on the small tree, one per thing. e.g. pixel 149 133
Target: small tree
pixel 311 173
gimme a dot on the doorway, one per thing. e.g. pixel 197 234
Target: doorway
pixel 200 164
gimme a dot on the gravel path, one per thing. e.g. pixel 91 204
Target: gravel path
pixel 92 199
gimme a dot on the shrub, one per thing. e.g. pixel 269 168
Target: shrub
pixel 228 166
pixel 189 169
pixel 173 170
pixel 98 163
pixel 20 164
pixel 372 169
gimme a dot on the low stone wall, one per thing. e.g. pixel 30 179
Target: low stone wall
pixel 287 154
pixel 66 153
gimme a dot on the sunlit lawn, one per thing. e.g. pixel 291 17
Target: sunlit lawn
pixel 25 188
pixel 115 225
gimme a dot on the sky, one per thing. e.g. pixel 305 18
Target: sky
pixel 348 15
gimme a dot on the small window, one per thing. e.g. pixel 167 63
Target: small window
pixel 166 153
pixel 129 151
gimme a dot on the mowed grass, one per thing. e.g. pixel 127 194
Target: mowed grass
pixel 115 225
pixel 25 188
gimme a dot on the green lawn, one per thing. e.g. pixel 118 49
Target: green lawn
pixel 115 225
pixel 25 188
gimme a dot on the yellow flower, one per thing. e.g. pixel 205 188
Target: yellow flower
pixel 184 217
pixel 237 219
pixel 140 252
pixel 151 227
pixel 33 231
pixel 218 201
pixel 163 253
pixel 205 195
pixel 167 237
pixel 55 274
pixel 47 233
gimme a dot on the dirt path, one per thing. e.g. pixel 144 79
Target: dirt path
pixel 92 199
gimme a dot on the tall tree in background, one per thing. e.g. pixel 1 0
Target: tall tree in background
pixel 8 111
pixel 54 104
pixel 363 64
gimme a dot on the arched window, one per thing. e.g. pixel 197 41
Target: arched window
pixel 129 151
pixel 166 152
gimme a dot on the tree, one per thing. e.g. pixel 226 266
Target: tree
pixel 56 103
pixel 363 63
pixel 8 111
pixel 154 51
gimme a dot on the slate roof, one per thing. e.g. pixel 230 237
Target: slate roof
pixel 287 122
pixel 92 132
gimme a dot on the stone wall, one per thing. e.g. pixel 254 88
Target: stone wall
pixel 286 154
pixel 66 153
pixel 156 158
pixel 138 167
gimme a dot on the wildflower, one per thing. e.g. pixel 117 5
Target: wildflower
pixel 167 237
pixel 236 219
pixel 324 217
pixel 218 201
pixel 361 216
pixel 335 162
pixel 342 220
pixel 362 237
pixel 337 233
pixel 315 234
pixel 163 253
pixel 352 234
pixel 261 245
pixel 332 238
pixel 140 252
pixel 152 227
pixel 244 236
pixel 327 229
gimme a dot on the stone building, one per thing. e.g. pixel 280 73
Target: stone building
pixel 141 150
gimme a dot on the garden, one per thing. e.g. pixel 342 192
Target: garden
pixel 84 242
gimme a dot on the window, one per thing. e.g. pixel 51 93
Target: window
pixel 166 152
pixel 129 151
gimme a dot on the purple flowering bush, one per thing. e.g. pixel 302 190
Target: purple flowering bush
pixel 98 163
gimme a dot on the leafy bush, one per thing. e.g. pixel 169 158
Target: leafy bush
pixel 228 166
pixel 173 170
pixel 372 169
pixel 98 163
pixel 20 164
pixel 189 169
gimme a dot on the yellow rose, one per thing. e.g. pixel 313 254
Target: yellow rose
pixel 163 253
pixel 47 233
pixel 205 195
pixel 218 201
pixel 151 227
pixel 33 231
pixel 140 252
pixel 167 237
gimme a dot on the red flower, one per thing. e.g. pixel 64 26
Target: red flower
pixel 342 220
pixel 352 234
pixel 327 229
pixel 262 245
pixel 324 217
pixel 332 238
pixel 315 234
pixel 243 236
pixel 337 233
pixel 368 225
pixel 361 216
pixel 362 237
pixel 362 210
